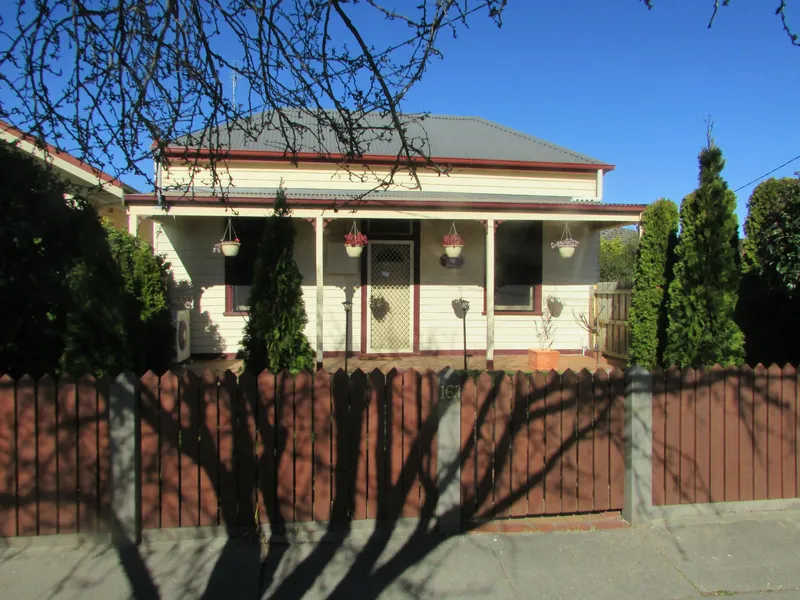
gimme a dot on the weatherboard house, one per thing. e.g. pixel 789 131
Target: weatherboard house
pixel 507 195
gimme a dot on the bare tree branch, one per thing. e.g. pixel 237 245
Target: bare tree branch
pixel 102 79
pixel 115 82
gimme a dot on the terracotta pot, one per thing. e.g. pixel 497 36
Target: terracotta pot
pixel 453 251
pixel 353 251
pixel 540 359
pixel 229 248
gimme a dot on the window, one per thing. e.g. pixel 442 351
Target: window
pixel 239 269
pixel 518 267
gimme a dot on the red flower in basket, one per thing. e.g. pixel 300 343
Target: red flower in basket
pixel 453 239
pixel 355 239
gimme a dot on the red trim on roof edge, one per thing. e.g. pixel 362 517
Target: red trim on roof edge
pixel 65 156
pixel 150 199
pixel 381 159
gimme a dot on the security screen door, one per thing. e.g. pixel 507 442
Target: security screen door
pixel 391 294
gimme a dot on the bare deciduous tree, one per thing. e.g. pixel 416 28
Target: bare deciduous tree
pixel 105 78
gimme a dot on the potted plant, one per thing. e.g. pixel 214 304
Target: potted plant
pixel 544 358
pixel 229 244
pixel 354 242
pixel 453 242
pixel 593 327
pixel 566 245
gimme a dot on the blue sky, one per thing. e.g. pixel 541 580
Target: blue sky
pixel 628 86
pixel 632 87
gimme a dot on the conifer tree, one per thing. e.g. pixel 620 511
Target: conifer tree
pixel 654 262
pixel 274 337
pixel 703 294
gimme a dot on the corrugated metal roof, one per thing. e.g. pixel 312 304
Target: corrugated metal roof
pixel 387 195
pixel 438 136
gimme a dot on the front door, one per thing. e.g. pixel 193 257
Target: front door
pixel 390 323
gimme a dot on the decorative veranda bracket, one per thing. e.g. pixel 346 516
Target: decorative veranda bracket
pixel 313 222
pixel 486 226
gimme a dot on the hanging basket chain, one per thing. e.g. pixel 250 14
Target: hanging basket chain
pixel 566 241
pixel 453 238
pixel 355 237
pixel 230 232
pixel 229 244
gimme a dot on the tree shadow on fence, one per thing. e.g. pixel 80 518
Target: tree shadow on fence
pixel 273 458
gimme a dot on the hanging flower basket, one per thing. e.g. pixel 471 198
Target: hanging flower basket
pixel 230 248
pixel 229 244
pixel 453 242
pixel 354 242
pixel 567 244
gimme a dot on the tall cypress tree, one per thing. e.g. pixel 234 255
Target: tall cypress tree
pixel 274 337
pixel 654 263
pixel 703 294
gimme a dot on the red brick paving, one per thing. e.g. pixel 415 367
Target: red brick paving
pixel 589 522
pixel 512 363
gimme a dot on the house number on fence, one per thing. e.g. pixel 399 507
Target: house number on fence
pixel 449 392
pixel 449 387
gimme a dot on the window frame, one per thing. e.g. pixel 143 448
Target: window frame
pixel 230 310
pixel 537 287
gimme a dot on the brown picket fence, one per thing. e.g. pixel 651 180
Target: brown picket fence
pixel 542 444
pixel 278 448
pixel 54 449
pixel 725 434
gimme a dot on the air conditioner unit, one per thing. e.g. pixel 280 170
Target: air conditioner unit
pixel 181 323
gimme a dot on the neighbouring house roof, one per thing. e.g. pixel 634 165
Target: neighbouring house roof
pixel 620 233
pixel 103 187
pixel 442 138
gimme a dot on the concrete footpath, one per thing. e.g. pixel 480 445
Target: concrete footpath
pixel 746 556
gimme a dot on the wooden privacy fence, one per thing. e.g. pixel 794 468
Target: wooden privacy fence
pixel 54 448
pixel 725 434
pixel 612 305
pixel 542 444
pixel 282 449
pixel 192 450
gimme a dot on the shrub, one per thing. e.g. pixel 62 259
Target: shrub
pixel 653 274
pixel 274 335
pixel 768 199
pixel 618 259
pixel 148 317
pixel 59 288
pixel 768 306
pixel 772 248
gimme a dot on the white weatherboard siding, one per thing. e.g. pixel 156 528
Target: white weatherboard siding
pixel 186 242
pixel 200 277
pixel 568 280
pixel 267 176
pixel 440 328
pixel 339 287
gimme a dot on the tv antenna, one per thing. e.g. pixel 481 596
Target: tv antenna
pixel 234 79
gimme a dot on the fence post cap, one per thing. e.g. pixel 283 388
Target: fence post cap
pixel 637 370
pixel 125 377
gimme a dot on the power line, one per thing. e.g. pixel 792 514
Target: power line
pixel 788 162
